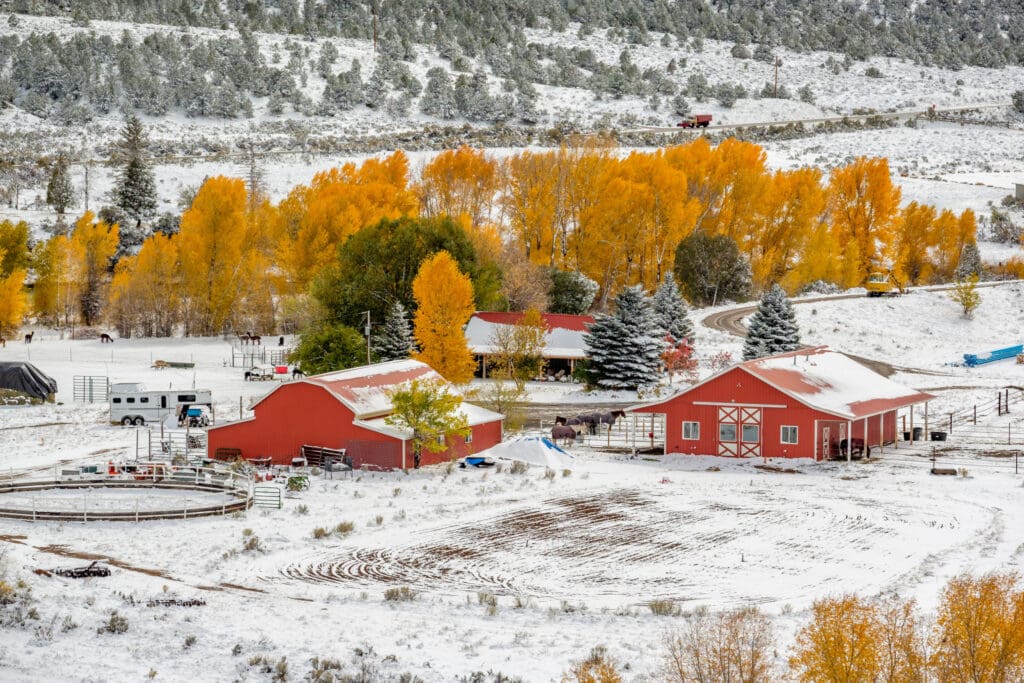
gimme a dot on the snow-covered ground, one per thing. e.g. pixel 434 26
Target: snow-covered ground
pixel 571 561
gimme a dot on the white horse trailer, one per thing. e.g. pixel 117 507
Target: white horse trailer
pixel 131 404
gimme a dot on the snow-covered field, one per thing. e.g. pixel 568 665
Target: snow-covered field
pixel 571 561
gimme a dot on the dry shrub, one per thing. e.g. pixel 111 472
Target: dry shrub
pixel 401 594
pixel 726 646
pixel 518 467
pixel 979 630
pixel 599 667
pixel 663 608
pixel 320 532
pixel 344 528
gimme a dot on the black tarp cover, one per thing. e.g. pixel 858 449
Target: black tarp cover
pixel 27 379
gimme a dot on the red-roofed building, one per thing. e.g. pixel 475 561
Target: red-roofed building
pixel 345 410
pixel 802 404
pixel 563 343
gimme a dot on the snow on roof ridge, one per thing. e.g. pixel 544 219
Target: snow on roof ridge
pixel 370 370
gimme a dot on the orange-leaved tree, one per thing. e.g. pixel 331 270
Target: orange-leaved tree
pixel 460 182
pixel 93 245
pixel 145 294
pixel 979 630
pixel 444 304
pixel 863 208
pixel 212 251
pixel 12 302
pixel 840 644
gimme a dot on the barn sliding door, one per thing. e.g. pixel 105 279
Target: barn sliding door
pixel 750 432
pixel 728 431
pixel 739 431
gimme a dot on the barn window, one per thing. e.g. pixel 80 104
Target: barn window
pixel 691 431
pixel 727 431
pixel 789 434
pixel 751 433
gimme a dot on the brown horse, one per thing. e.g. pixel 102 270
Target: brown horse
pixel 256 339
pixel 28 337
pixel 563 432
pixel 244 338
pixel 106 339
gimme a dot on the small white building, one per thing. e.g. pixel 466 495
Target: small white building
pixel 563 343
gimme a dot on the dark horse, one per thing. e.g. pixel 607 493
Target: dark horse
pixel 106 339
pixel 297 374
pixel 28 337
pixel 563 432
pixel 610 418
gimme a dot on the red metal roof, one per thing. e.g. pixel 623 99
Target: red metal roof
pixel 563 321
pixel 825 380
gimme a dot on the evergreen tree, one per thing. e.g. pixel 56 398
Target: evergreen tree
pixel 710 268
pixel 970 262
pixel 59 191
pixel 571 292
pixel 773 327
pixel 625 348
pixel 395 340
pixel 136 187
pixel 670 310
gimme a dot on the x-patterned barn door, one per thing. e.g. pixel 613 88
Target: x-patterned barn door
pixel 728 431
pixel 750 432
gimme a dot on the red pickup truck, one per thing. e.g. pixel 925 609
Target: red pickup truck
pixel 698 121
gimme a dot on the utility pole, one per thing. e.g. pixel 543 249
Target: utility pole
pixel 373 11
pixel 367 337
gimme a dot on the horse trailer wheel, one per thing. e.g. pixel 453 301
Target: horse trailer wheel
pixel 126 420
pixel 139 421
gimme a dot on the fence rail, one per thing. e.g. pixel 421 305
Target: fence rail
pixel 91 388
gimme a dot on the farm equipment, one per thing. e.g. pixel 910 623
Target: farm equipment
pixel 697 121
pixel 883 284
pixel 94 569
pixel 260 373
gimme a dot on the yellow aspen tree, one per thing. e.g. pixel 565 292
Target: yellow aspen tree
pixel 14 250
pixel 55 293
pixel 93 245
pixel 529 203
pixel 781 231
pixel 951 234
pixel 317 218
pixel 444 304
pixel 460 182
pixel 146 292
pixel 840 644
pixel 579 185
pixel 864 208
pixel 212 247
pixel 915 237
pixel 13 302
pixel 978 635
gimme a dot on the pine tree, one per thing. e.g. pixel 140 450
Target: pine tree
pixel 59 191
pixel 970 262
pixel 439 96
pixel 670 310
pixel 625 348
pixel 395 340
pixel 773 327
pixel 136 187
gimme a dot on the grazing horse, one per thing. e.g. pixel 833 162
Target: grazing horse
pixel 28 337
pixel 610 418
pixel 244 338
pixel 106 339
pixel 256 339
pixel 563 432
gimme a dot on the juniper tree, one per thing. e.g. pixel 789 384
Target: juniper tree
pixel 670 310
pixel 395 339
pixel 59 191
pixel 439 96
pixel 625 348
pixel 773 327
pixel 970 262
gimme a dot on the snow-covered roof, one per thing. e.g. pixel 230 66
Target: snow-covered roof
pixel 475 415
pixel 826 380
pixel 364 390
pixel 564 338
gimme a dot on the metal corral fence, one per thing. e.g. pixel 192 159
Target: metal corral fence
pixel 236 487
pixel 633 432
pixel 91 388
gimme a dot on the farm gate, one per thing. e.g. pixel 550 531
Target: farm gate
pixel 91 388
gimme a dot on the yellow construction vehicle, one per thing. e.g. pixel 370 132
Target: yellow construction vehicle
pixel 883 283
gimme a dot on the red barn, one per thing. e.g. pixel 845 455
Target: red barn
pixel 802 404
pixel 346 409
